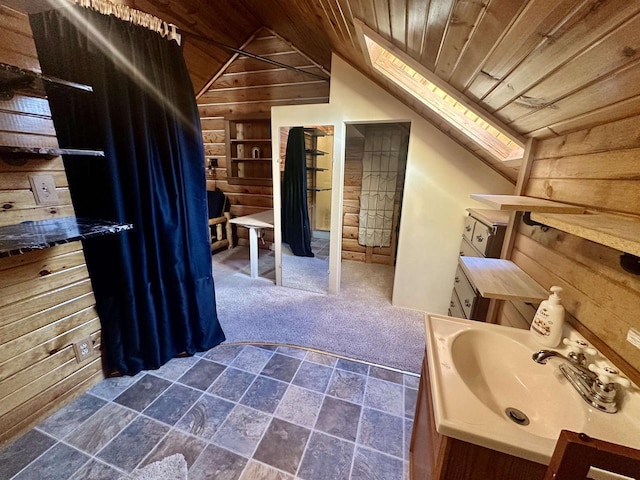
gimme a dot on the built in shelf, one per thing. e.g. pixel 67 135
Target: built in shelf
pixel 317 169
pixel 616 231
pixel 502 280
pixel 526 204
pixel 249 140
pixel 18 80
pixel 37 235
pixel 318 189
pixel 315 152
pixel 22 152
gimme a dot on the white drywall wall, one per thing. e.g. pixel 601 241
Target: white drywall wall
pixel 440 177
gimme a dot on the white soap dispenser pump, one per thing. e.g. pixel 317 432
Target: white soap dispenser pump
pixel 548 320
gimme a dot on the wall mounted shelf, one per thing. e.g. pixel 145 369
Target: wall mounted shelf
pixel 18 80
pixel 251 159
pixel 37 235
pixel 315 132
pixel 314 151
pixel 502 280
pixel 616 231
pixel 22 152
pixel 526 204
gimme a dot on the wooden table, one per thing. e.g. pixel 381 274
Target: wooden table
pixel 254 222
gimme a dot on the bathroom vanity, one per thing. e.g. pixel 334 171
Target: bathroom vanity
pixel 433 456
pixel 486 409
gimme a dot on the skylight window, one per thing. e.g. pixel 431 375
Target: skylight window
pixel 485 133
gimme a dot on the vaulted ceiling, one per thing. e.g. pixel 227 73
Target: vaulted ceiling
pixel 543 67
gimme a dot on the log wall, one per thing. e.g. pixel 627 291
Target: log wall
pixel 248 86
pixel 597 168
pixel 46 299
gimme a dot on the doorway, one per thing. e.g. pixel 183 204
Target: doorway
pixel 375 169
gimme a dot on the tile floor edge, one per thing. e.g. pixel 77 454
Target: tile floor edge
pixel 317 350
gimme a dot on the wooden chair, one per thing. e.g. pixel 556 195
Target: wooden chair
pixel 219 218
pixel 575 453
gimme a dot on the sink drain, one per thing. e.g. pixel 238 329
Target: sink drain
pixel 517 416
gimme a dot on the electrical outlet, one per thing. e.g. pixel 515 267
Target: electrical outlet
pixel 44 189
pixel 633 337
pixel 83 349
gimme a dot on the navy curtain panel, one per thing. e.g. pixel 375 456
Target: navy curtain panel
pixel 153 285
pixel 295 215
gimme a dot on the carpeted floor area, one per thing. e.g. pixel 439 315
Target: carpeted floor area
pixel 359 323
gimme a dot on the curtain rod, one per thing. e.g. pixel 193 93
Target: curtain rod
pixel 136 17
pixel 239 51
pixel 140 18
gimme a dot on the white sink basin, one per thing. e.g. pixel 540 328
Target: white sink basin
pixel 500 373
pixel 479 370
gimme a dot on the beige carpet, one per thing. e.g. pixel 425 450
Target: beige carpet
pixel 358 323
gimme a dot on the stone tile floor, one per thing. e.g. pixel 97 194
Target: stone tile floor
pixel 235 412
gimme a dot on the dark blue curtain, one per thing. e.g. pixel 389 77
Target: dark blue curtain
pixel 295 214
pixel 153 285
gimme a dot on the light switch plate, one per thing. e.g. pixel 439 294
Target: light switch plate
pixel 44 189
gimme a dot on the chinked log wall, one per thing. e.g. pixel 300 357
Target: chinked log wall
pixel 598 168
pixel 46 299
pixel 248 86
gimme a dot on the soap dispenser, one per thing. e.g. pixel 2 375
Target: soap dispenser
pixel 547 322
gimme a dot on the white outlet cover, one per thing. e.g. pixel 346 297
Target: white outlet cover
pixel 83 349
pixel 44 189
pixel 633 337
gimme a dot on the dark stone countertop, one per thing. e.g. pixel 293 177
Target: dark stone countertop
pixel 37 235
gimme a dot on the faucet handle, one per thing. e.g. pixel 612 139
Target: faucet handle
pixel 579 346
pixel 607 374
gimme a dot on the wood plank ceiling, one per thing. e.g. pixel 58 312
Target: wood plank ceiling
pixel 544 67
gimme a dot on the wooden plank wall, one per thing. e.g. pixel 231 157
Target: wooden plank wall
pixel 46 299
pixel 249 86
pixel 351 249
pixel 597 168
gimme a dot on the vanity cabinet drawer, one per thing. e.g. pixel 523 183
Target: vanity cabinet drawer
pixel 465 291
pixel 455 309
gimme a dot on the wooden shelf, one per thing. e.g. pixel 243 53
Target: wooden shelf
pixel 525 204
pixel 247 142
pixel 318 189
pixel 18 80
pixel 616 231
pixel 315 132
pixel 317 169
pixel 37 235
pixel 315 152
pixel 251 159
pixel 8 150
pixel 502 280
pixel 490 217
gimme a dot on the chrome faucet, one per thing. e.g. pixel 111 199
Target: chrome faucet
pixel 596 385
